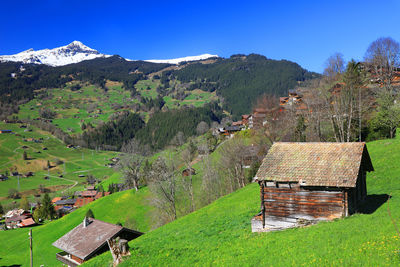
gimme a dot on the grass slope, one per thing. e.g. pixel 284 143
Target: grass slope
pixel 77 161
pixel 93 105
pixel 220 233
pixel 118 207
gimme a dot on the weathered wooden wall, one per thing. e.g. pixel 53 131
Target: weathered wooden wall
pixel 300 203
pixel 75 258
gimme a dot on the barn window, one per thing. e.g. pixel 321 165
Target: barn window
pixel 271 184
pixel 284 185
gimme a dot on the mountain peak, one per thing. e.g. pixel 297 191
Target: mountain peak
pixel 72 53
pixel 80 45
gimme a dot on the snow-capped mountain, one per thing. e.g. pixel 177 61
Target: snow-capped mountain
pixel 73 53
pixel 76 52
pixel 182 59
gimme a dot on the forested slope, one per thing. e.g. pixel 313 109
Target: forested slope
pixel 241 79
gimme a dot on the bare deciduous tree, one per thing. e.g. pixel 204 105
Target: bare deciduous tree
pixel 202 127
pixel 130 163
pixel 188 155
pixel 334 66
pixel 163 184
pixel 212 185
pixel 231 163
pixel 179 139
pixel 130 166
pixel 384 56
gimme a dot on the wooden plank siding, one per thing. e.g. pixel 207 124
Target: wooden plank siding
pixel 301 203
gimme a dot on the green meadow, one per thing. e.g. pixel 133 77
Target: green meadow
pixel 119 207
pixel 94 105
pixel 89 104
pixel 220 233
pixel 68 162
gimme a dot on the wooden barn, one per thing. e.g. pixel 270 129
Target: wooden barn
pixel 302 183
pixel 89 239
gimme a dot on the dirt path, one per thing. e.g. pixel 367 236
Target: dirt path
pixel 65 179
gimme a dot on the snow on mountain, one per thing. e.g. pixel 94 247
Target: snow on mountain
pixel 76 52
pixel 73 53
pixel 182 59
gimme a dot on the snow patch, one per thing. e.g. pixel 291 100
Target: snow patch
pixel 182 59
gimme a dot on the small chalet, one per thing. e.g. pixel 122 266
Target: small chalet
pixel 70 202
pixel 88 193
pixel 90 188
pixel 5 131
pixel 54 200
pixel 17 218
pixel 247 120
pixel 80 202
pixel 89 239
pixel 303 183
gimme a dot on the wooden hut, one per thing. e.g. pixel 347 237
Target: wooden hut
pixel 89 239
pixel 302 183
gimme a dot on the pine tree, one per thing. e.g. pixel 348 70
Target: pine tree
pixel 25 156
pixel 1 209
pixel 48 208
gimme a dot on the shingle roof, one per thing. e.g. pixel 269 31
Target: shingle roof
pixel 88 193
pixel 83 241
pixel 80 202
pixel 315 164
pixel 69 201
pixel 27 222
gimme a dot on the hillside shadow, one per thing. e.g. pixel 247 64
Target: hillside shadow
pixel 372 203
pixel 14 265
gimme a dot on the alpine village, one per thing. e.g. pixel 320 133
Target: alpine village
pixel 206 160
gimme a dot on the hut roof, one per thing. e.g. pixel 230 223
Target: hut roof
pixel 88 193
pixel 69 201
pixel 315 164
pixel 80 202
pixel 84 241
pixel 27 222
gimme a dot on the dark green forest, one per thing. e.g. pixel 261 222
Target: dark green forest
pixel 95 71
pixel 159 132
pixel 241 79
pixel 164 126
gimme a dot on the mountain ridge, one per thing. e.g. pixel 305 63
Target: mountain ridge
pixel 76 52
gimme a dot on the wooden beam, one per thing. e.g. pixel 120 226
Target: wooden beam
pixel 262 203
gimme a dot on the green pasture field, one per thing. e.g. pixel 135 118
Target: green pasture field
pixel 118 207
pixel 93 105
pixel 220 234
pixel 78 161
pixel 73 107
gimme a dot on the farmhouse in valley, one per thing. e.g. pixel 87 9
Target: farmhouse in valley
pixel 89 239
pixel 302 183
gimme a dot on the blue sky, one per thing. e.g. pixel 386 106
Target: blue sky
pixel 306 32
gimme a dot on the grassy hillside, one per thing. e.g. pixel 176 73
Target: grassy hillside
pixel 77 161
pixel 220 233
pixel 118 207
pixel 93 105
